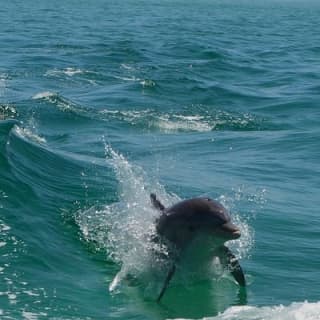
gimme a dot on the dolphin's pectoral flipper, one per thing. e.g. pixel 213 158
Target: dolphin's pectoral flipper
pixel 231 262
pixel 156 203
pixel 166 283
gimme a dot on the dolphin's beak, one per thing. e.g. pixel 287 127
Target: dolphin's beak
pixel 231 230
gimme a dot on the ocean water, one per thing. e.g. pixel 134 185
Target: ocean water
pixel 103 102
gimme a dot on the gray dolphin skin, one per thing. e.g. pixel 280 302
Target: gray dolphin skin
pixel 182 222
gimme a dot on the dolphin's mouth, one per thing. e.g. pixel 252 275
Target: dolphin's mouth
pixel 231 230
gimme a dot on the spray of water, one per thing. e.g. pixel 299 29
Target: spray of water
pixel 125 229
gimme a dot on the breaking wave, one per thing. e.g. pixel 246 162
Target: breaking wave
pixel 295 311
pixel 196 119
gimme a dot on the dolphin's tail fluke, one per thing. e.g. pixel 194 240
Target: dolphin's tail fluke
pixel 156 203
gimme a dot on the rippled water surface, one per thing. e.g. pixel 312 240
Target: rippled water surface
pixel 102 103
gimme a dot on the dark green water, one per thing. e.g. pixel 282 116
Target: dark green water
pixel 102 103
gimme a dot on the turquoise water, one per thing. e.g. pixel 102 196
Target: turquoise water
pixel 102 103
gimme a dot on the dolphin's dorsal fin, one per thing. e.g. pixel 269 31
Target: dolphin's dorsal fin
pixel 156 203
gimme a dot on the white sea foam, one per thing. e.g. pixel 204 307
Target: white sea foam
pixel 3 226
pixel 61 103
pixel 165 122
pixel 72 71
pixel 127 67
pixel 73 74
pixel 150 119
pixel 32 315
pixel 295 311
pixel 3 83
pixel 31 293
pixel 69 71
pixel 131 78
pixel 12 296
pixel 27 133
pixel 44 95
pixel 172 123
pixel 29 315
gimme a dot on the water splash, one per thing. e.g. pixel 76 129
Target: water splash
pixel 123 230
pixel 242 197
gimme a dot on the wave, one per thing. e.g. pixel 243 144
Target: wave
pixel 44 95
pixel 29 134
pixel 5 128
pixel 193 119
pixel 172 122
pixel 45 170
pixel 39 187
pixel 60 102
pixel 197 119
pixel 67 71
pixel 295 311
pixel 74 75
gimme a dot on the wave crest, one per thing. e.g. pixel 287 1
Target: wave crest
pixel 295 311
pixel 193 119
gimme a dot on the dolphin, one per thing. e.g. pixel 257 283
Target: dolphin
pixel 181 223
